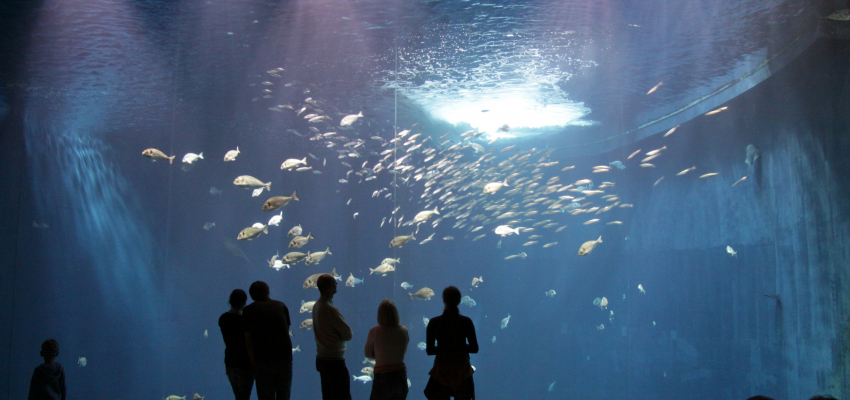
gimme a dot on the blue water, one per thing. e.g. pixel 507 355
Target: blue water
pixel 126 275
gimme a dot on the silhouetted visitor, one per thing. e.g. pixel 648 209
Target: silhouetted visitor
pixel 451 337
pixel 236 361
pixel 331 332
pixel 267 324
pixel 48 379
pixel 822 397
pixel 760 398
pixel 387 344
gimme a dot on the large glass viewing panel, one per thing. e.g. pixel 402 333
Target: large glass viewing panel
pixel 642 200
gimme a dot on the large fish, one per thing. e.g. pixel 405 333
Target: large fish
pixel 251 232
pixel 310 283
pixel 399 241
pixel 293 257
pixel 278 201
pixel 155 154
pixel 382 269
pixel 424 215
pixel 424 294
pixel 314 258
pixel 587 247
pixel 299 241
pixel 249 182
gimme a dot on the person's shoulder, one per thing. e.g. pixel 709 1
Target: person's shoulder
pixel 466 319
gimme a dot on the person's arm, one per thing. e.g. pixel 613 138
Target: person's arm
pixel 249 344
pixel 472 347
pixel 33 395
pixel 370 343
pixel 406 341
pixel 62 386
pixel 342 328
pixel 430 340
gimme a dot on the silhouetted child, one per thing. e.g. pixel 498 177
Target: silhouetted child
pixel 48 379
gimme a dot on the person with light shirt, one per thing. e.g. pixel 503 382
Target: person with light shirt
pixel 331 332
pixel 387 344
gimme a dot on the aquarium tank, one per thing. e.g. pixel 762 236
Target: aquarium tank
pixel 637 199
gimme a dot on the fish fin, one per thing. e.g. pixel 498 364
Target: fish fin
pixel 237 149
pixel 310 236
pixel 481 279
pixel 411 295
pixel 371 271
pixel 294 197
pixel 328 250
pixel 201 156
pixel 412 237
pixel 269 186
pixel 505 183
pixel 170 159
pixel 436 211
pixel 266 229
pixel 304 160
pixel 600 239
pixel 360 114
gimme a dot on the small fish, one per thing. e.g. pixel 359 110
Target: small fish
pixel 658 181
pixel 368 370
pixel 670 132
pixel 425 320
pixel 550 293
pixel 421 346
pixel 214 191
pixel 348 202
pixel 710 174
pixel 647 165
pixel 231 155
pixel 468 301
pixel 206 333
pixel 633 154
pixel 715 111
pixel 600 328
pixel 505 321
pixel 640 287
pixel 588 246
pixel 155 154
pixel 739 181
pixel 687 170
pixel 448 238
pixel 547 245
pixel 592 221
pixel 504 128
pixel 314 258
pixel 209 225
pixel 493 340
pixel 614 223
pixel 731 252
pixel 307 324
pixel 296 348
pixel 428 239
pixel 355 215
pixel 82 361
pixel 295 231
pixel 406 286
pixel 476 281
pixel 651 91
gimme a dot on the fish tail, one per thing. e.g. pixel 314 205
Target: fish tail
pixel 304 160
pixel 266 229
pixel 481 279
pixel 201 156
pixel 269 186
pixel 310 236
pixel 506 182
pixel 411 295
pixel 436 211
pixel 294 197
pixel 328 251
pixel 171 159
pixel 600 239
pixel 371 271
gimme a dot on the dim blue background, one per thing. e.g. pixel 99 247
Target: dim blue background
pixel 127 277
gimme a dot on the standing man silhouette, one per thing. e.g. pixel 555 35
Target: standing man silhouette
pixel 331 332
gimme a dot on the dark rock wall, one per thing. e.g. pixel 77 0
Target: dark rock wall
pixel 789 222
